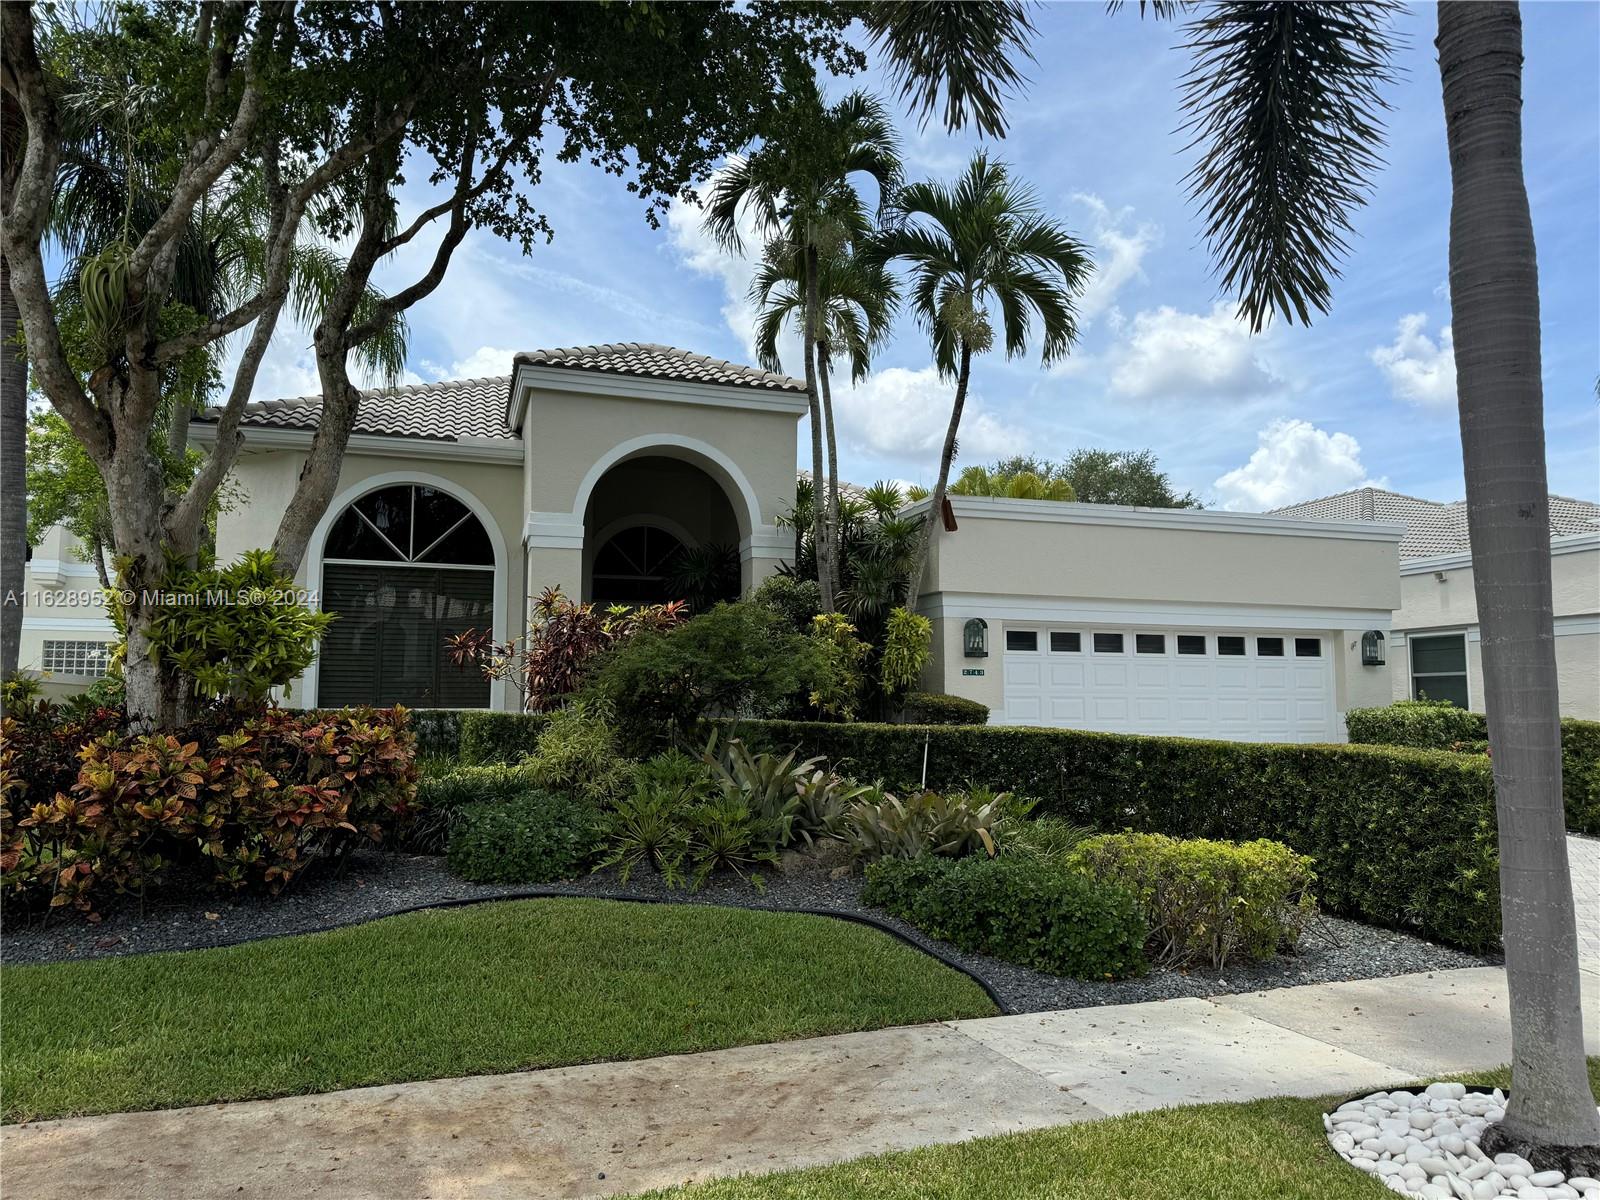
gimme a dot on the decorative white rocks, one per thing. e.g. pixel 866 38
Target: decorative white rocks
pixel 1426 1144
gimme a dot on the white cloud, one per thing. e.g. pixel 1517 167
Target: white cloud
pixel 1169 353
pixel 902 414
pixel 1293 461
pixel 1118 253
pixel 1419 370
pixel 484 362
pixel 699 251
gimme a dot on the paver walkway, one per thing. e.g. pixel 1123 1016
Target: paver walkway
pixel 621 1127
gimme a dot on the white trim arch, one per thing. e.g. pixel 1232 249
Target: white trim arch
pixel 736 486
pixel 499 693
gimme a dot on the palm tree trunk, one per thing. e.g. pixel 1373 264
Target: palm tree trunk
pixel 13 477
pixel 1494 298
pixel 819 506
pixel 935 515
pixel 835 532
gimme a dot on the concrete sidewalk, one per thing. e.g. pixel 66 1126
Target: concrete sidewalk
pixel 621 1127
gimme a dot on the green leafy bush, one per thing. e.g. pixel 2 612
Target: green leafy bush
pixel 500 737
pixel 881 825
pixel 1353 809
pixel 1440 725
pixel 1052 839
pixel 577 752
pixel 725 833
pixel 825 799
pixel 252 804
pixel 934 708
pixel 906 642
pixel 737 659
pixel 442 797
pixel 1207 902
pixel 766 784
pixel 531 837
pixel 438 731
pixel 795 600
pixel 1024 911
pixel 841 659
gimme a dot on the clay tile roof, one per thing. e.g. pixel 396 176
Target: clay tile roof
pixel 447 411
pixel 659 362
pixel 1431 527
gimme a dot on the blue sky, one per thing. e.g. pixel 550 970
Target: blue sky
pixel 1365 395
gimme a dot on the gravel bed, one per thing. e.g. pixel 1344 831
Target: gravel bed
pixel 374 884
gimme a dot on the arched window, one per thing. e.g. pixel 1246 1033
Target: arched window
pixel 404 568
pixel 635 566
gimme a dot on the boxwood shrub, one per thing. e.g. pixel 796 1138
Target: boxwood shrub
pixel 438 731
pixel 1021 910
pixel 499 737
pixel 1436 725
pixel 1400 837
pixel 1208 903
pixel 534 837
pixel 935 708
pixel 442 798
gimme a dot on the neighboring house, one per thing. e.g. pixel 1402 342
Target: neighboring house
pixel 589 468
pixel 66 632
pixel 1434 649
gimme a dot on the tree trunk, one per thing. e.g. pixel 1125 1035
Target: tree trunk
pixel 831 519
pixel 13 477
pixel 819 487
pixel 1494 298
pixel 935 514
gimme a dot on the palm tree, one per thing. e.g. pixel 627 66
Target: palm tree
pixel 1284 99
pixel 856 301
pixel 798 188
pixel 1016 485
pixel 983 242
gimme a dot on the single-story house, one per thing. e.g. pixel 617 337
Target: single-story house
pixel 590 467
pixel 1434 647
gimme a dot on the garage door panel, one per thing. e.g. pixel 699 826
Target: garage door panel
pixel 1110 674
pixel 1066 674
pixel 1068 710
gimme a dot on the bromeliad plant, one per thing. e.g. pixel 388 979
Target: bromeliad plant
pixel 952 824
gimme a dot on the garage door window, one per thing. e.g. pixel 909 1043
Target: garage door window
pixel 1191 643
pixel 1150 643
pixel 1269 647
pixel 1063 642
pixel 1439 669
pixel 1022 639
pixel 1231 647
pixel 1308 647
pixel 1108 643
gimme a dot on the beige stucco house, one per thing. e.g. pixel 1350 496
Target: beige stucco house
pixel 1434 647
pixel 596 468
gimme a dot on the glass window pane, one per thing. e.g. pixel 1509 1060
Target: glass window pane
pixel 1442 687
pixel 1150 643
pixel 1108 643
pixel 1022 639
pixel 390 511
pixel 436 513
pixel 1308 647
pixel 1269 647
pixel 1230 645
pixel 1191 643
pixel 1064 642
pixel 468 544
pixel 352 537
pixel 1442 654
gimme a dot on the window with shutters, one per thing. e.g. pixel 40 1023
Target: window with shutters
pixel 404 568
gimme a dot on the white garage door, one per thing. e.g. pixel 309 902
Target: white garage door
pixel 1266 687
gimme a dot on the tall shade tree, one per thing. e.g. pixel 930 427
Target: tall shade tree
pixel 799 191
pixel 13 419
pixel 979 250
pixel 856 301
pixel 1276 85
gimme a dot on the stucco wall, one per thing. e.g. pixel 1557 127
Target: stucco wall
pixel 62 602
pixel 1577 671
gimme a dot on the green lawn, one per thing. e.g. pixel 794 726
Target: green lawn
pixel 1266 1150
pixel 497 987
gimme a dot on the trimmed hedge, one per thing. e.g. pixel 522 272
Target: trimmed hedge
pixel 1443 726
pixel 441 799
pixel 438 731
pixel 1024 911
pixel 1402 838
pixel 935 708
pixel 535 837
pixel 499 737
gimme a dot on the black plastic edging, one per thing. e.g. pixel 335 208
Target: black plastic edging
pixel 551 893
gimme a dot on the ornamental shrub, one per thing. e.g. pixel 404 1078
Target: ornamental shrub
pixel 1207 902
pixel 442 798
pixel 795 600
pixel 1439 725
pixel 841 658
pixel 577 752
pixel 881 825
pixel 500 737
pixel 251 805
pixel 531 837
pixel 934 708
pixel 906 643
pixel 1024 911
pixel 1401 838
pixel 438 731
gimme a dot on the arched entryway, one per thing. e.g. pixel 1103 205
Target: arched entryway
pixel 658 528
pixel 404 566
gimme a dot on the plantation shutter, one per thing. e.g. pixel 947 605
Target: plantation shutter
pixel 388 644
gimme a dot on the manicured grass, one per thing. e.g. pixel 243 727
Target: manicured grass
pixel 1266 1150
pixel 496 987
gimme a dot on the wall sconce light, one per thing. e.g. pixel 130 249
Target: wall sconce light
pixel 1439 577
pixel 1372 652
pixel 975 638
